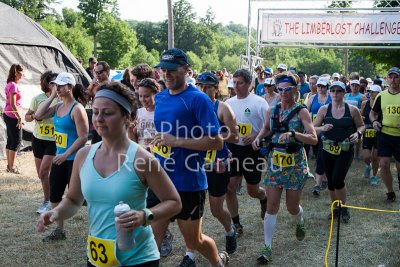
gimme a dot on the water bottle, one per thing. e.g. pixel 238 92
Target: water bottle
pixel 125 239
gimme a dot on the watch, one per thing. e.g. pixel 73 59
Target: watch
pixel 293 133
pixel 148 217
pixel 359 133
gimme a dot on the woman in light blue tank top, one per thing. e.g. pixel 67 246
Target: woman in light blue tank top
pixel 111 171
pixel 70 134
pixel 355 98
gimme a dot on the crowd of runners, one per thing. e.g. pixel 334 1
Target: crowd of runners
pixel 164 137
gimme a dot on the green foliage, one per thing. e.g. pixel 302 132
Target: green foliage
pixel 71 17
pixel 230 62
pixel 116 41
pixel 76 40
pixel 194 61
pixel 210 62
pixel 141 55
pixel 35 9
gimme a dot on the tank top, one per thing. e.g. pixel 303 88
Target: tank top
pixel 104 193
pixel 342 128
pixel 294 124
pixel 315 105
pixel 223 153
pixel 365 114
pixel 65 133
pixel 274 101
pixel 354 100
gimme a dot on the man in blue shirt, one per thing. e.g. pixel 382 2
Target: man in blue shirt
pixel 186 128
pixel 304 87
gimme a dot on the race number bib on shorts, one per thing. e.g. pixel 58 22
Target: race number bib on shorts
pixel 210 156
pixel 163 151
pixel 332 149
pixel 370 133
pixel 101 252
pixel 61 139
pixel 282 159
pixel 46 130
pixel 392 110
pixel 244 129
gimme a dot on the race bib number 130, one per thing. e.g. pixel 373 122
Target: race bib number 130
pixel 101 252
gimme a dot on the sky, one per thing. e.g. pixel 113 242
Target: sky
pixel 225 10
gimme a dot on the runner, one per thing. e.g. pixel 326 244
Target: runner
pixel 387 103
pixel 216 161
pixel 342 126
pixel 111 171
pixel 355 98
pixel 287 168
pixel 70 133
pixel 43 144
pixel 271 97
pixel 313 105
pixel 369 138
pixel 12 117
pixel 186 126
pixel 250 111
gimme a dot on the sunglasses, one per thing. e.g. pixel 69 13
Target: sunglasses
pixel 336 91
pixel 99 72
pixel 204 78
pixel 320 85
pixel 285 89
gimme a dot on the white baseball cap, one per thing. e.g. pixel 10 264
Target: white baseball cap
pixel 355 82
pixel 282 66
pixel 64 78
pixel 269 81
pixel 323 81
pixel 336 75
pixel 374 88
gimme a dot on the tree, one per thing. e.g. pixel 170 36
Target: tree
pixel 35 9
pixel 141 55
pixel 230 62
pixel 116 41
pixel 194 61
pixel 93 11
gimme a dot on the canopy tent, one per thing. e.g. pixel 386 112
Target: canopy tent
pixel 24 41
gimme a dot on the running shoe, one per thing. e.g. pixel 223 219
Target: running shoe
pixel 231 243
pixel 57 234
pixel 335 214
pixel 367 171
pixel 239 229
pixel 44 207
pixel 265 255
pixel 324 185
pixel 224 257
pixel 390 197
pixel 345 215
pixel 373 180
pixel 166 244
pixel 316 190
pixel 300 231
pixel 14 170
pixel 187 262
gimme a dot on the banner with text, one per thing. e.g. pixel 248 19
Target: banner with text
pixel 331 28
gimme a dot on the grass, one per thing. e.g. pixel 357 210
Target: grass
pixel 370 239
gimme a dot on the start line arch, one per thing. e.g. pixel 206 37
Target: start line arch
pixel 360 24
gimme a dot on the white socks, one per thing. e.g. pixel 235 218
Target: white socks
pixel 269 228
pixel 299 216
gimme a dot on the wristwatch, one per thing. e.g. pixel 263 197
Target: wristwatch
pixel 148 217
pixel 293 133
pixel 359 133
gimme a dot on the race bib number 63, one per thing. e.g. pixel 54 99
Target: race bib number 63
pixel 101 252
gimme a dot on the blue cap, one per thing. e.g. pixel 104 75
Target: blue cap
pixel 172 59
pixel 338 84
pixel 207 78
pixel 268 71
pixel 395 70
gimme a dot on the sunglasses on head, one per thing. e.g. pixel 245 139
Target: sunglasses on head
pixel 202 78
pixel 285 89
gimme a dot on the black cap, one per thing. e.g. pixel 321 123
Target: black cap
pixel 172 59
pixel 301 74
pixel 377 81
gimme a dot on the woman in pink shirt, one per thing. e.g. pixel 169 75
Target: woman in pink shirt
pixel 12 115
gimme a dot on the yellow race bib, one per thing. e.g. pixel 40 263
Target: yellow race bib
pixel 46 130
pixel 301 101
pixel 244 129
pixel 163 151
pixel 61 139
pixel 370 133
pixel 334 150
pixel 392 110
pixel 210 156
pixel 283 159
pixel 101 252
pixel 314 117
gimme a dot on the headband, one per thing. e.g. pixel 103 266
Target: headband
pixel 286 79
pixel 107 93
